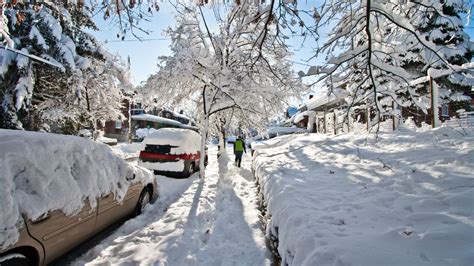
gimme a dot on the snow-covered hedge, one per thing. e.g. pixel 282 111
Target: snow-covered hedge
pixel 41 172
pixel 406 199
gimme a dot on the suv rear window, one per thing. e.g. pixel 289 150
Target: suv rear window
pixel 161 149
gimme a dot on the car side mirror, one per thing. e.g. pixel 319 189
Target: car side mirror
pixel 131 178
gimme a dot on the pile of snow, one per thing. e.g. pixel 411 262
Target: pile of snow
pixel 185 140
pixel 406 199
pixel 271 131
pixel 42 172
pixel 128 150
pixel 109 141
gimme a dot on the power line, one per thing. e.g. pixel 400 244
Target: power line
pixel 137 40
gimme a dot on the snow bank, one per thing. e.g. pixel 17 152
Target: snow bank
pixel 106 140
pixel 128 150
pixel 284 130
pixel 406 199
pixel 42 172
pixel 187 141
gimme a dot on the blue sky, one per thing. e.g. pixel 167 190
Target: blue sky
pixel 143 55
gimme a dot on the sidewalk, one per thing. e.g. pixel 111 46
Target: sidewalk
pixel 194 222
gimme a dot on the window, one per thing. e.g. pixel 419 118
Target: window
pixel 445 110
pixel 118 124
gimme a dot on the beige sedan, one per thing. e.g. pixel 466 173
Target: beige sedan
pixel 46 239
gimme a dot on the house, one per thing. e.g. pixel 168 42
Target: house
pixel 140 122
pixel 326 113
pixel 313 115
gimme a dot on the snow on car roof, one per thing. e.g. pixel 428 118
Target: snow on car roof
pixel 186 140
pixel 42 172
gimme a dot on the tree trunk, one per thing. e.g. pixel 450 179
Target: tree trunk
pixel 221 135
pixel 204 131
pixel 221 143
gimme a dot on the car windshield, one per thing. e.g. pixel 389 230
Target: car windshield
pixel 161 149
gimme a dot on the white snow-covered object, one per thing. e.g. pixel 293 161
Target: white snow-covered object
pixel 177 166
pixel 154 118
pixel 284 130
pixel 324 99
pixel 301 115
pixel 185 140
pixel 106 140
pixel 143 132
pixel 41 172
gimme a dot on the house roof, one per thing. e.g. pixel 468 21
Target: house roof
pixel 300 115
pixel 154 118
pixel 323 99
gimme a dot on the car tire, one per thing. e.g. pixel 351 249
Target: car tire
pixel 14 259
pixel 189 169
pixel 143 201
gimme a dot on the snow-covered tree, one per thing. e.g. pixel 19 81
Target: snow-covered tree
pixel 375 45
pixel 441 23
pixel 234 73
pixel 83 87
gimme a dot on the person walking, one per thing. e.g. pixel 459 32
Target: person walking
pixel 239 149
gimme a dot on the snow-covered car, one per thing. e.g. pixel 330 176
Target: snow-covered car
pixel 57 191
pixel 231 139
pixel 172 152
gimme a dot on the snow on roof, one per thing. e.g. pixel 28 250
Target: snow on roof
pixel 154 118
pixel 323 99
pixel 41 172
pixel 300 115
pixel 186 140
pixel 181 116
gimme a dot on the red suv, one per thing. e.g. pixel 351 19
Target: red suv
pixel 172 152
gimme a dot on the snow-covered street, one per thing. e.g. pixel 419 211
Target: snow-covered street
pixel 194 222
pixel 123 126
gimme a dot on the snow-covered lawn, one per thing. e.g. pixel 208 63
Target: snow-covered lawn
pixel 407 199
pixel 194 222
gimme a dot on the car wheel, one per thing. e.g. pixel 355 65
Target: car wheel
pixel 189 169
pixel 14 259
pixel 143 201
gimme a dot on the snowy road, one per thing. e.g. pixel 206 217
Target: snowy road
pixel 194 222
